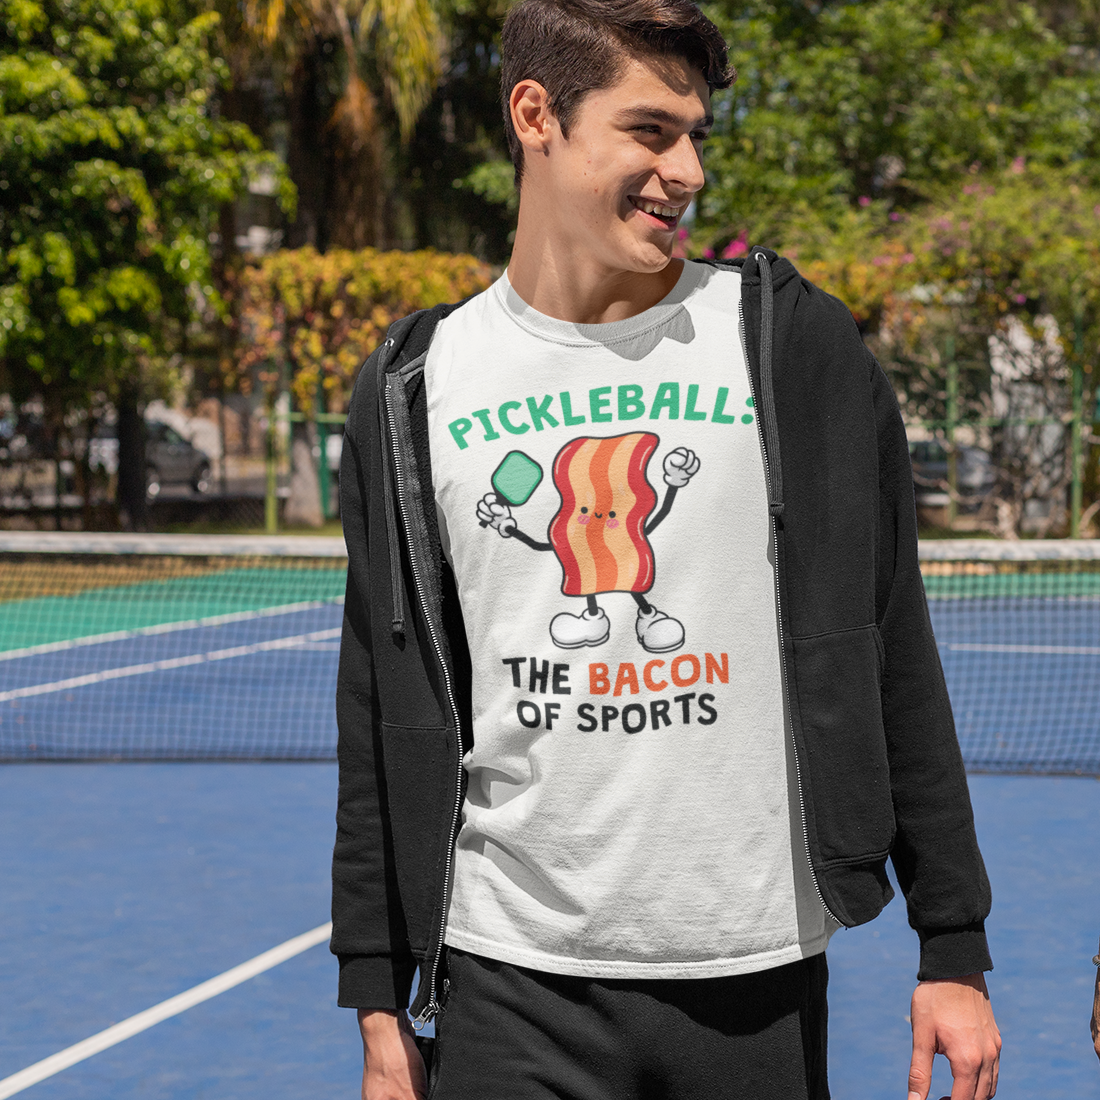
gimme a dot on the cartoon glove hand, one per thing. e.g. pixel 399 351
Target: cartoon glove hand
pixel 493 513
pixel 681 465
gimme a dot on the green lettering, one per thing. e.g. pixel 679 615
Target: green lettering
pixel 541 412
pixel 502 413
pixel 668 397
pixel 719 415
pixel 486 423
pixel 746 418
pixel 690 412
pixel 458 429
pixel 571 421
pixel 598 401
pixel 631 405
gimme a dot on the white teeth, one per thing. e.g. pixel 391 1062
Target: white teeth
pixel 657 208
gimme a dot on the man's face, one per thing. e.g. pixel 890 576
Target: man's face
pixel 621 181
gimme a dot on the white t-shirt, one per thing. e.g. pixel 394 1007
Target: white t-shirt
pixel 631 810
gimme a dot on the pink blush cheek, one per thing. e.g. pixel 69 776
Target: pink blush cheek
pixel 612 523
pixel 582 520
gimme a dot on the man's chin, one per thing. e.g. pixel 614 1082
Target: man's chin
pixel 651 258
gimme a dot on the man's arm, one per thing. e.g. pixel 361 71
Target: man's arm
pixel 935 852
pixel 376 964
pixel 392 1066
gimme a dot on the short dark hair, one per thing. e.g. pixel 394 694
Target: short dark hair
pixel 573 47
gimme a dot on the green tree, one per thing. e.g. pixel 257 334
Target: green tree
pixel 882 102
pixel 998 274
pixel 113 168
pixel 353 77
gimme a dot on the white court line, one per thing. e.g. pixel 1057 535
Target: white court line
pixel 992 647
pixel 167 628
pixel 17 1082
pixel 168 663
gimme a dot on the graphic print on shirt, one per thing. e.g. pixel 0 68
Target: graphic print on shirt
pixel 600 533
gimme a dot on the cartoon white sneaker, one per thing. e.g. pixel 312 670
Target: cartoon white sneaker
pixel 658 632
pixel 574 631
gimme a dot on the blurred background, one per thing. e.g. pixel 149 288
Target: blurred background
pixel 210 211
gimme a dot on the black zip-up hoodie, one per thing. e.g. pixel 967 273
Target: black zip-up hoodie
pixel 879 769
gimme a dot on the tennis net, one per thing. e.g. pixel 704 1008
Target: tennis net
pixel 169 648
pixel 197 648
pixel 1018 628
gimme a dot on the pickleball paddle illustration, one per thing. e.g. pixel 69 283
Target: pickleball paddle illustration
pixel 515 479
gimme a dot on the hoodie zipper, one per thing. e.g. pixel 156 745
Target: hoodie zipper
pixel 432 1007
pixel 779 620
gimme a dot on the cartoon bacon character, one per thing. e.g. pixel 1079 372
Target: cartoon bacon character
pixel 600 533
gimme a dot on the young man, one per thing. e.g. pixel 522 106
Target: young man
pixel 638 690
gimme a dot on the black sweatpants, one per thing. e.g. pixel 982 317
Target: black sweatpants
pixel 508 1033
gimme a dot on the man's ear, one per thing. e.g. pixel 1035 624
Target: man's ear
pixel 531 115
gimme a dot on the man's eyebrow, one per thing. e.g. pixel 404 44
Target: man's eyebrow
pixel 659 114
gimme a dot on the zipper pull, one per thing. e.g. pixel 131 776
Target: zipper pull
pixel 426 1017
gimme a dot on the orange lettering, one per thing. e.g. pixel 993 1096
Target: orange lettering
pixel 598 683
pixel 627 677
pixel 722 671
pixel 685 681
pixel 647 675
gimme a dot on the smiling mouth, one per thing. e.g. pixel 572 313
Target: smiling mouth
pixel 665 215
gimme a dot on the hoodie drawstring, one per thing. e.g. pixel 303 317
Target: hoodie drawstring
pixel 767 388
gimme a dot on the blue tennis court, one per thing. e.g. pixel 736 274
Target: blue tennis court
pixel 180 692
pixel 125 884
pixel 169 657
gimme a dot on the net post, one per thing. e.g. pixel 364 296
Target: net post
pixel 321 426
pixel 952 421
pixel 1076 433
pixel 271 499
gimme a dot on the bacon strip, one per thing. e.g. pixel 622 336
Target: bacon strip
pixel 598 552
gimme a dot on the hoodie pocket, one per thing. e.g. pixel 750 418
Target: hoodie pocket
pixel 845 773
pixel 421 787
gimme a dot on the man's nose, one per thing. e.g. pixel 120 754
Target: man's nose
pixel 682 166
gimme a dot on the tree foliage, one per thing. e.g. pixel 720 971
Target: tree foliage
pixel 351 79
pixel 322 315
pixel 112 169
pixel 113 166
pixel 888 102
pixel 1000 274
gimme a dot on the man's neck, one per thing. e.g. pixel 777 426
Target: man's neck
pixel 563 282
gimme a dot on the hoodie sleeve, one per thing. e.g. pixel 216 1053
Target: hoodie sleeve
pixel 369 935
pixel 935 853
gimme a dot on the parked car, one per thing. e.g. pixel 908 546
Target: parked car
pixel 975 473
pixel 169 458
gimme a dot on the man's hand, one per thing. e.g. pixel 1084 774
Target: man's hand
pixel 953 1017
pixel 392 1066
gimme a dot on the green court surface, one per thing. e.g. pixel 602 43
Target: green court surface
pixel 1008 585
pixel 49 619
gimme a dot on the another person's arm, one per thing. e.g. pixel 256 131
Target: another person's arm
pixel 1096 1010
